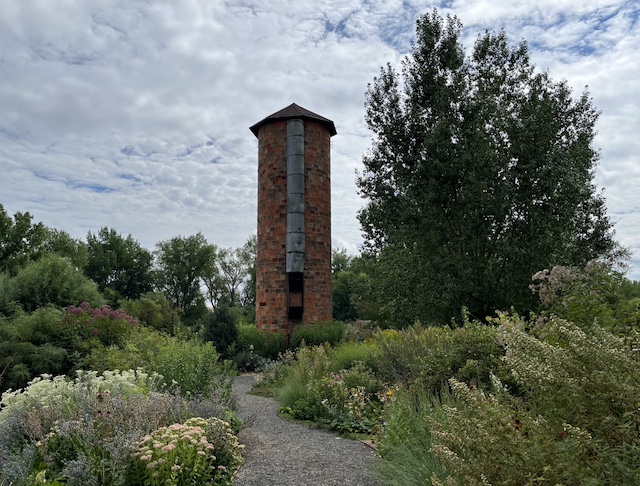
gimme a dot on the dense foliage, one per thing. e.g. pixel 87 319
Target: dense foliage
pixel 118 265
pixel 20 240
pixel 514 401
pixel 50 280
pixel 480 174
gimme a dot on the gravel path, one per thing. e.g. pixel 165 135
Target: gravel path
pixel 279 452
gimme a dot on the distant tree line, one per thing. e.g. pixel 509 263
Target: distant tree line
pixel 189 272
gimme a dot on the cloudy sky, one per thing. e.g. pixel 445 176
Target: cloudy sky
pixel 135 114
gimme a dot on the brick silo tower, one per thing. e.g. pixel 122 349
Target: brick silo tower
pixel 293 267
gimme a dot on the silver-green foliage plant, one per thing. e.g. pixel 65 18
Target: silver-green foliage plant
pixel 199 451
pixel 576 421
pixel 80 427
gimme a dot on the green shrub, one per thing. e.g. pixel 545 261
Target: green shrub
pixel 266 344
pixel 432 355
pixel 348 401
pixel 153 310
pixel 50 280
pixel 349 353
pixel 191 368
pixel 55 342
pixel 36 343
pixel 309 364
pixel 138 351
pixel 331 332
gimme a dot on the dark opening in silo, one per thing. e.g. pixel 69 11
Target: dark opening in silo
pixel 296 297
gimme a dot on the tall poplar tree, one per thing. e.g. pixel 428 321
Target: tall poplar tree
pixel 480 174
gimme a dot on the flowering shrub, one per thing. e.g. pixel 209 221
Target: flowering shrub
pixel 584 296
pixel 102 323
pixel 349 400
pixel 576 422
pixel 197 452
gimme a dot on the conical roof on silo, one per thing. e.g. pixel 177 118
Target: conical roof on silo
pixel 295 111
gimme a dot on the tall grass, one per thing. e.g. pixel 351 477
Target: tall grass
pixel 406 439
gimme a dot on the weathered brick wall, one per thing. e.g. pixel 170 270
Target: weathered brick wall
pixel 271 277
pixel 318 304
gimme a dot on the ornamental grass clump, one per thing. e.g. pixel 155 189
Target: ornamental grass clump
pixel 199 451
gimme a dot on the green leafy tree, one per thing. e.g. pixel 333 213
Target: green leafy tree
pixel 62 244
pixel 234 272
pixel 154 310
pixel 119 265
pixel 213 281
pixel 340 260
pixel 480 174
pixel 20 240
pixel 349 281
pixel 248 254
pixel 182 262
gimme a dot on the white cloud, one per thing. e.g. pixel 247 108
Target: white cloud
pixel 135 115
